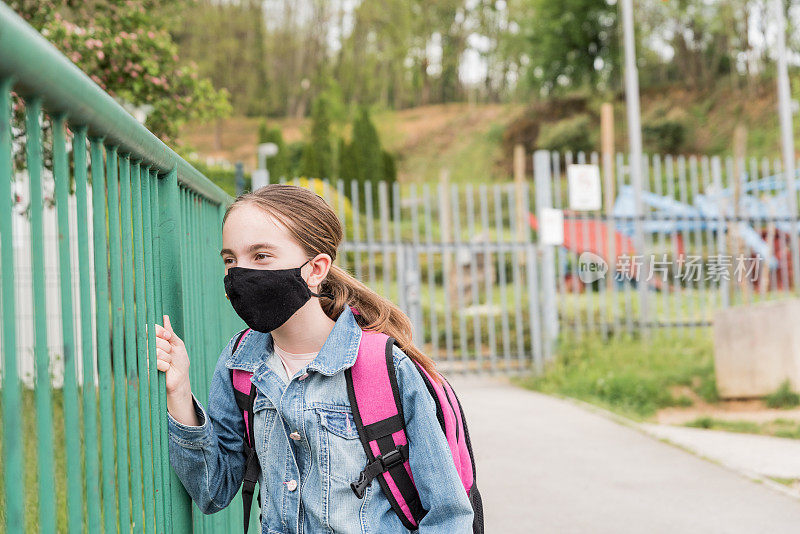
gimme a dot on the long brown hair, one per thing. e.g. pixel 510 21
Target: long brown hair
pixel 316 228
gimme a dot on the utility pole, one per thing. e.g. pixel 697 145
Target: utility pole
pixel 787 135
pixel 635 141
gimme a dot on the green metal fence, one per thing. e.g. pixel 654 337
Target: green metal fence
pixel 91 455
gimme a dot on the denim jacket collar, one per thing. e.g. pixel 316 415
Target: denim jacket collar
pixel 337 353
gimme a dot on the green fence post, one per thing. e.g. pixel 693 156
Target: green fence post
pixel 118 339
pixel 11 411
pixel 72 439
pixel 92 474
pixel 142 274
pixel 152 388
pixel 44 409
pixel 102 306
pixel 169 229
pixel 131 356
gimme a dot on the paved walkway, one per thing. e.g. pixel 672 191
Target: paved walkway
pixel 759 455
pixel 546 465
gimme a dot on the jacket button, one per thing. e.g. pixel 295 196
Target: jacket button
pixel 295 436
pixel 291 485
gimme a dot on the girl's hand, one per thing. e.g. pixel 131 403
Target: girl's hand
pixel 172 358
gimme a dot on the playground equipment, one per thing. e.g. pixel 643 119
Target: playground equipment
pixel 763 223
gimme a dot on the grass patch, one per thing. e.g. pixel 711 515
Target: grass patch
pixel 631 376
pixel 781 428
pixel 785 481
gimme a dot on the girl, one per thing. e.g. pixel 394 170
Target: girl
pixel 279 244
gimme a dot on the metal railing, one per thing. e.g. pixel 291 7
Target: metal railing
pixel 91 455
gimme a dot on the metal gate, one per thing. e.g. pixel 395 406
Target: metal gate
pixel 457 259
pixel 714 233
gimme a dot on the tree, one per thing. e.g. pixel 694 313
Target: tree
pixel 227 41
pixel 317 155
pixel 573 43
pixel 363 159
pixel 367 148
pixel 126 49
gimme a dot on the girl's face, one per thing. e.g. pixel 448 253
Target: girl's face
pixel 253 239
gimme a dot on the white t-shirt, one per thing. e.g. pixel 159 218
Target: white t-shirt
pixel 293 362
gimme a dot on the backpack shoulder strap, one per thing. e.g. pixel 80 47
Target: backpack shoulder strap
pixel 245 393
pixel 378 414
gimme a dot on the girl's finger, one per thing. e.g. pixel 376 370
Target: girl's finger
pixel 163 344
pixel 163 333
pixel 161 355
pixel 172 337
pixel 161 365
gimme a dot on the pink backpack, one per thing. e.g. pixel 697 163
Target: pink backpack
pixel 377 411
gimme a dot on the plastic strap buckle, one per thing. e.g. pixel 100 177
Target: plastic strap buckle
pixel 380 464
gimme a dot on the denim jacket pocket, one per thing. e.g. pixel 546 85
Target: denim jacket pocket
pixel 343 454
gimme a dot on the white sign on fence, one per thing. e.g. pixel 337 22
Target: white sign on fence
pixel 584 187
pixel 551 226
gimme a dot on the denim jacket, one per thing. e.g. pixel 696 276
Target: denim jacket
pixel 308 445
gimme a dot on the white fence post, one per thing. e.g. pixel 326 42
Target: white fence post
pixel 542 181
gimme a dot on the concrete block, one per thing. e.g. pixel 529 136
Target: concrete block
pixel 756 348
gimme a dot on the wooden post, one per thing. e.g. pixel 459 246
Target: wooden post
pixel 607 149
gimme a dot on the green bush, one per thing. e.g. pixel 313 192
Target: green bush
pixel 783 397
pixel 664 135
pixel 572 134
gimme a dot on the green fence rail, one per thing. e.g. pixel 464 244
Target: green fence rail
pixel 91 455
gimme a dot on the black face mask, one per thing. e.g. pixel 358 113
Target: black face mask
pixel 267 298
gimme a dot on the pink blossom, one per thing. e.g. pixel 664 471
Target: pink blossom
pixel 134 74
pixel 151 34
pixel 100 55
